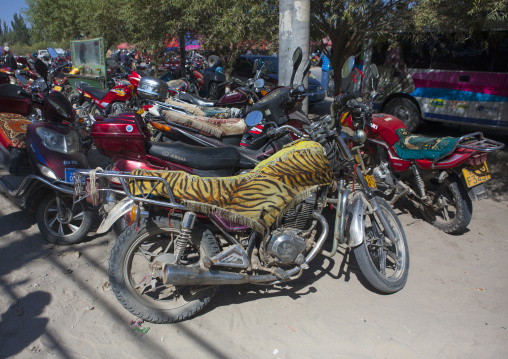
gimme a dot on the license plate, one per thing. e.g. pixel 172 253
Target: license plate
pixel 69 175
pixel 57 88
pixel 371 182
pixel 475 175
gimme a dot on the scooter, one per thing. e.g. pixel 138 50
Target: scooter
pixel 440 176
pixel 40 159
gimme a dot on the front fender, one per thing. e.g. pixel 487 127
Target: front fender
pixel 118 210
pixel 356 220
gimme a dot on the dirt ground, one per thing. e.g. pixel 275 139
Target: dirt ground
pixel 55 301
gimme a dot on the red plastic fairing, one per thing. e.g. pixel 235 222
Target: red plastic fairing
pixel 149 163
pixel 398 164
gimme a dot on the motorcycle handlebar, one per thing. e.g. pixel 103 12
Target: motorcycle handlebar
pixel 343 98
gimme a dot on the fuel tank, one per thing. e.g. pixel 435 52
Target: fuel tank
pixel 383 128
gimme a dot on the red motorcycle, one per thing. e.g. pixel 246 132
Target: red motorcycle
pixel 440 176
pixel 121 98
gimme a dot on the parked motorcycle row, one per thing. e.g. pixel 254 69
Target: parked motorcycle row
pixel 246 189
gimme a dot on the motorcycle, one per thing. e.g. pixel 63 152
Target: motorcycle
pixel 282 106
pixel 440 176
pixel 118 99
pixel 41 158
pixel 190 234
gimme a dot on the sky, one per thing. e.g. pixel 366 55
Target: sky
pixel 8 8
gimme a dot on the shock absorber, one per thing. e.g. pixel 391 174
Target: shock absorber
pixel 419 182
pixel 185 235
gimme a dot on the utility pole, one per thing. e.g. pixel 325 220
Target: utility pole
pixel 294 29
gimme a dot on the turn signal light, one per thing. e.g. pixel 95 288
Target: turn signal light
pixel 160 126
pixel 81 120
pixel 134 213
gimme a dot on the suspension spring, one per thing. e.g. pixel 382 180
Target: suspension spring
pixel 182 240
pixel 419 181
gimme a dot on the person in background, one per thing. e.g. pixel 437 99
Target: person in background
pixel 10 61
pixel 123 58
pixel 325 68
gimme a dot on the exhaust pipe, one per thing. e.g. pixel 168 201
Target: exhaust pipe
pixel 179 275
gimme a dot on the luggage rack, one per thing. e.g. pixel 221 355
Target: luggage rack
pixel 481 144
pixel 80 193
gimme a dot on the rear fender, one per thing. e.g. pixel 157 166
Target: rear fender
pixel 118 210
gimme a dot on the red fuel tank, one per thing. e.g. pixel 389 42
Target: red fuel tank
pixel 383 128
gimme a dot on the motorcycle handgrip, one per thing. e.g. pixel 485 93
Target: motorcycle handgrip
pixel 261 138
pixel 343 98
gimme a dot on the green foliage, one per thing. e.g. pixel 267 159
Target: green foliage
pixel 18 34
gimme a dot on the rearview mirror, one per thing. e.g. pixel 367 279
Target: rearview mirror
pixel 41 69
pixel 348 67
pixel 259 83
pixel 254 118
pixel 374 71
pixel 297 59
pixel 52 52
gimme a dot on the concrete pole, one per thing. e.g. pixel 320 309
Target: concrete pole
pixel 294 29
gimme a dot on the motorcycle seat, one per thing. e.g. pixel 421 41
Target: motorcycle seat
pixel 201 158
pixel 414 147
pixel 217 127
pixel 274 186
pixel 196 100
pixel 94 91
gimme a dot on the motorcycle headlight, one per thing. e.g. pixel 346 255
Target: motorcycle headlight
pixel 54 141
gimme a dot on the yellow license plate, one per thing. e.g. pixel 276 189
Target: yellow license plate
pixel 475 175
pixel 57 88
pixel 371 182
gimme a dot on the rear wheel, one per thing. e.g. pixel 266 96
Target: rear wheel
pixel 130 272
pixel 406 111
pixel 70 228
pixel 385 265
pixel 451 209
pixel 213 91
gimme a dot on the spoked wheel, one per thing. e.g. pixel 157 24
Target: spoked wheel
pixel 130 271
pixel 213 91
pixel 385 265
pixel 70 227
pixel 451 209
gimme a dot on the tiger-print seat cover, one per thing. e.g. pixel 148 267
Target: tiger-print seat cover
pixel 268 191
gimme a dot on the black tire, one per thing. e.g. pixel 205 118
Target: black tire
pixel 385 266
pixel 70 230
pixel 119 226
pixel 456 206
pixel 213 91
pixel 406 111
pixel 154 234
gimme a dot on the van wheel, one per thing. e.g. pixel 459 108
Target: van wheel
pixel 406 111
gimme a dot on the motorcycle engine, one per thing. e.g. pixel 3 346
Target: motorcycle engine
pixel 287 247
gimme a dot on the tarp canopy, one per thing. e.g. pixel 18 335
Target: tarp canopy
pixel 125 46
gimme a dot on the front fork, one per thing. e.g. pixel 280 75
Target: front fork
pixel 369 194
pixel 59 206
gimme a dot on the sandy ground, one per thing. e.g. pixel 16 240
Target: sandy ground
pixel 55 302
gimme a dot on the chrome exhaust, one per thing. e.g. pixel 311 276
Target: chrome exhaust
pixel 179 275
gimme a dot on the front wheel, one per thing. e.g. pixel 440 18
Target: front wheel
pixel 385 265
pixel 130 272
pixel 451 209
pixel 69 227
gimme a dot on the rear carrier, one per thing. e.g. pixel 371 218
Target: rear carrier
pixel 153 89
pixel 123 135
